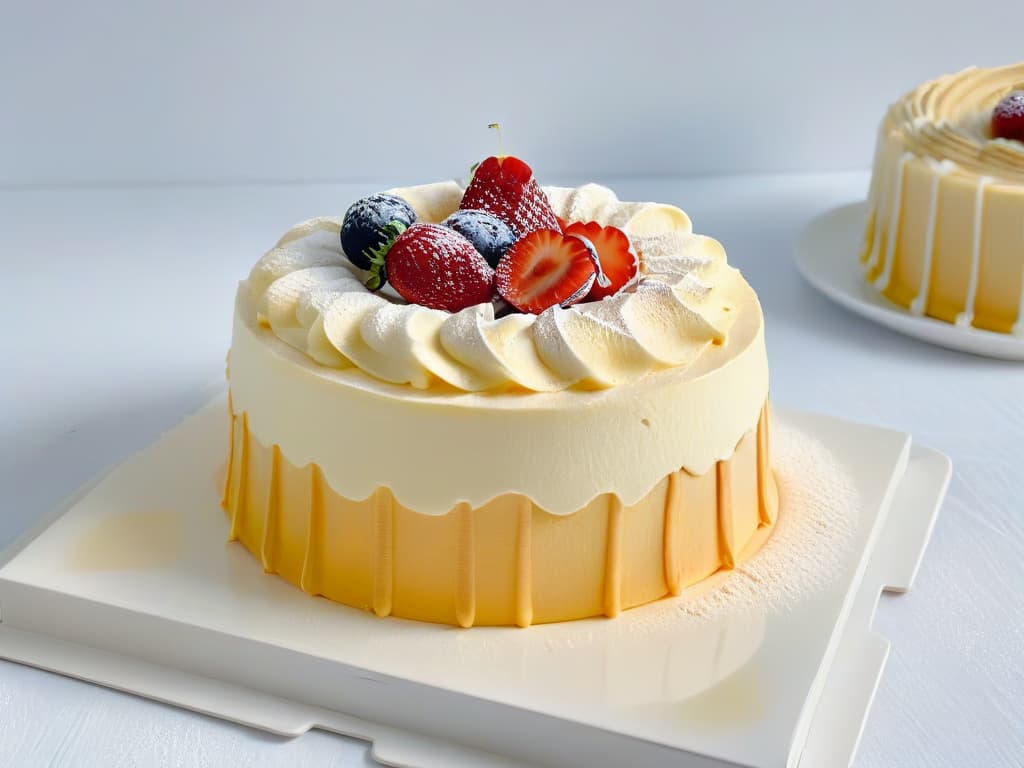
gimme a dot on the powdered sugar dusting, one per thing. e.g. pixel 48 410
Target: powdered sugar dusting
pixel 524 207
pixel 680 303
pixel 438 268
pixel 591 202
pixel 819 513
pixel 812 540
pixel 1011 106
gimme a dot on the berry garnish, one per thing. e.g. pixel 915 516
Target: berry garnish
pixel 488 234
pixel 618 261
pixel 545 269
pixel 437 267
pixel 365 227
pixel 1008 117
pixel 505 187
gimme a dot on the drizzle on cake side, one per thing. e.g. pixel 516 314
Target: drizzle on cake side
pixel 945 229
pixel 472 470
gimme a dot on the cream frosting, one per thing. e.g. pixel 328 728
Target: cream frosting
pixel 948 119
pixel 436 448
pixel 314 300
pixel 608 397
pixel 944 236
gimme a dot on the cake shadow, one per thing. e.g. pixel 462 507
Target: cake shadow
pixel 42 465
pixel 822 318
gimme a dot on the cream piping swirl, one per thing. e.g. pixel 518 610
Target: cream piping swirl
pixel 949 119
pixel 310 296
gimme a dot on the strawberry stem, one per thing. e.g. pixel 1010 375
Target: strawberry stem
pixel 497 128
pixel 377 255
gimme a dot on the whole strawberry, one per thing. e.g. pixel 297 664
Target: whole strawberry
pixel 437 267
pixel 1008 117
pixel 505 186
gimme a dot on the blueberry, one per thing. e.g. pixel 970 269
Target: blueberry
pixel 488 234
pixel 364 226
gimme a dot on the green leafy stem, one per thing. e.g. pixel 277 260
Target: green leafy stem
pixel 377 255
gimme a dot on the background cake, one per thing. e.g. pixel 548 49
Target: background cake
pixel 945 228
pixel 425 457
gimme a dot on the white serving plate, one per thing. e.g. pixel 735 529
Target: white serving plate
pixel 132 586
pixel 826 256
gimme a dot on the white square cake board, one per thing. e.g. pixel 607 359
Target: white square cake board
pixel 133 586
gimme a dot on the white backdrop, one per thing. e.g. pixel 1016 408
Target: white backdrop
pixel 205 91
pixel 197 91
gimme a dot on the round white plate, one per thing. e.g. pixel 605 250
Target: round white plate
pixel 826 256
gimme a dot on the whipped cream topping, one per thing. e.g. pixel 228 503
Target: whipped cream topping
pixel 314 300
pixel 948 120
pixel 436 448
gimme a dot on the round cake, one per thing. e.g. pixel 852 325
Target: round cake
pixel 589 437
pixel 945 228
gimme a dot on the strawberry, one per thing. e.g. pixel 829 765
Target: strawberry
pixel 1008 117
pixel 618 261
pixel 545 269
pixel 505 187
pixel 437 267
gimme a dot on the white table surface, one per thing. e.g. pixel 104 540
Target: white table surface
pixel 116 307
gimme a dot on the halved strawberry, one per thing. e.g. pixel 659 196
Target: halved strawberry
pixel 505 187
pixel 618 261
pixel 545 269
pixel 437 267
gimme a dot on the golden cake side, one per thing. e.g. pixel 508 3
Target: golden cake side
pixel 474 468
pixel 945 230
pixel 507 562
